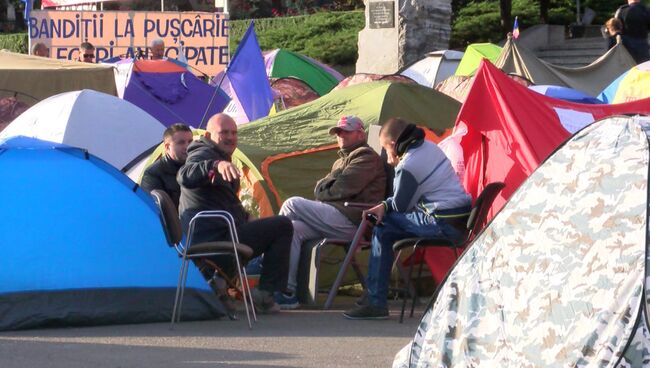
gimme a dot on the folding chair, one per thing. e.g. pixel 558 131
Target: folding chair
pixel 358 241
pixel 173 232
pixel 474 226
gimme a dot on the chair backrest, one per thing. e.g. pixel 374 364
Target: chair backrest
pixel 169 217
pixel 481 207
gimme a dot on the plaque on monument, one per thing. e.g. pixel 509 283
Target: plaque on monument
pixel 382 14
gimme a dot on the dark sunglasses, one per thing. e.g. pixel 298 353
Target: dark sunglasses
pixel 89 56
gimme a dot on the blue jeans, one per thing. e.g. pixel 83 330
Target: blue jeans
pixel 397 226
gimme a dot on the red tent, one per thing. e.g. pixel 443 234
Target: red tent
pixel 510 131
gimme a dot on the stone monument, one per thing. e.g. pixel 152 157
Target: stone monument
pixel 399 32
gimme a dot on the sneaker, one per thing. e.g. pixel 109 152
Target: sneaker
pixel 362 301
pixel 286 301
pixel 264 302
pixel 367 312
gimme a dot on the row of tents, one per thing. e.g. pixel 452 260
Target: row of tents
pixel 508 130
pixel 171 93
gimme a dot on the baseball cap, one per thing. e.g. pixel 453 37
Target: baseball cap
pixel 348 123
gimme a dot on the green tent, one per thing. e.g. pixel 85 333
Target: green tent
pixel 473 55
pixel 293 149
pixel 283 63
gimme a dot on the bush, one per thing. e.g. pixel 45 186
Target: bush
pixel 15 42
pixel 329 37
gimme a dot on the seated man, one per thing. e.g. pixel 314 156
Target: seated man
pixel 357 176
pixel 162 173
pixel 210 181
pixel 428 201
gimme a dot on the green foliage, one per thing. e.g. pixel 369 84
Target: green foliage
pixel 480 21
pixel 329 37
pixel 16 42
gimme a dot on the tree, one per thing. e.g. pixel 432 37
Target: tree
pixel 505 8
pixel 543 11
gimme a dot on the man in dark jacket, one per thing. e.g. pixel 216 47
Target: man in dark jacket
pixel 210 181
pixel 636 21
pixel 162 173
pixel 357 176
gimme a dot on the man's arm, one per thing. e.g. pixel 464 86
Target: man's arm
pixel 354 178
pixel 326 182
pixel 405 186
pixel 196 171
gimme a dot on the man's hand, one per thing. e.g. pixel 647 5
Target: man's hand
pixel 378 211
pixel 227 170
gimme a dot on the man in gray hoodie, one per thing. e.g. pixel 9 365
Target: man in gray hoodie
pixel 428 201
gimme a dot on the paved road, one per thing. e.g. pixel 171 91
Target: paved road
pixel 301 338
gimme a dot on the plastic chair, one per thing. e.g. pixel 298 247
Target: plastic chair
pixel 474 226
pixel 173 232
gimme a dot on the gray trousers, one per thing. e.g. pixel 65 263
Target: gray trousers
pixel 312 220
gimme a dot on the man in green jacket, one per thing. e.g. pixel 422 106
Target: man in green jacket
pixel 357 176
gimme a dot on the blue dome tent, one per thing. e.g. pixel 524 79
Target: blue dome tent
pixel 565 93
pixel 83 245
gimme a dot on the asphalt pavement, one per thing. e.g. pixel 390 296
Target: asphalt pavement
pixel 299 338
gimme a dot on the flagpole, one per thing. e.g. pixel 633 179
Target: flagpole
pixel 213 95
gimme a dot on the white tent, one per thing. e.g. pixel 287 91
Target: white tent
pixel 434 68
pixel 112 129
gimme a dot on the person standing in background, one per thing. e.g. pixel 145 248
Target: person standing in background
pixel 636 21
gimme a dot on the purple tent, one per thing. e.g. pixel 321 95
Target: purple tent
pixel 168 92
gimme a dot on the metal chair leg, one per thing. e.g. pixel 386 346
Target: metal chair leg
pixel 415 293
pixel 244 285
pixel 402 272
pixel 356 242
pixel 408 283
pixel 183 283
pixel 178 292
pixel 250 295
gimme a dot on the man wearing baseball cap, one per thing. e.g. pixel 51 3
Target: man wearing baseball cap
pixel 357 176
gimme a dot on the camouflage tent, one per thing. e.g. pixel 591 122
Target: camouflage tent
pixel 557 279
